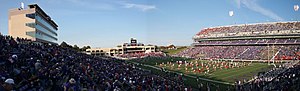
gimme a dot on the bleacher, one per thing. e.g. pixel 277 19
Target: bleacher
pixel 261 41
pixel 29 66
pixel 250 29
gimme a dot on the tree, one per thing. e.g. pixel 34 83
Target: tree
pixel 75 47
pixel 88 47
pixel 64 44
pixel 84 48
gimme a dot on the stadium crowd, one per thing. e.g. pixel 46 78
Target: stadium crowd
pixel 245 42
pixel 286 77
pixel 282 78
pixel 30 66
pixel 252 28
pixel 289 52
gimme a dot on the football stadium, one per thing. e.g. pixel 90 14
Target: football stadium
pixel 244 56
pixel 260 56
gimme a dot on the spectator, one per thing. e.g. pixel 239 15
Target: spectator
pixel 71 85
pixel 55 64
pixel 37 65
pixel 8 85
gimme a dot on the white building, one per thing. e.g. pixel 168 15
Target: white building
pixel 32 23
pixel 127 48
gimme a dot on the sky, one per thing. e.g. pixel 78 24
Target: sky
pixel 108 23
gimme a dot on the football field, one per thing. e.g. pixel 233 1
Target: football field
pixel 215 72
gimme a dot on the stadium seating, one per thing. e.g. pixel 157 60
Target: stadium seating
pixel 285 77
pixel 251 48
pixel 242 52
pixel 247 43
pixel 38 67
pixel 251 28
pixel 251 41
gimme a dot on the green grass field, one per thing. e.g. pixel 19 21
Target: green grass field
pixel 216 73
pixel 231 75
pixel 245 71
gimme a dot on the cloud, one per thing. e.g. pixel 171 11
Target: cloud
pixel 142 7
pixel 254 6
pixel 104 4
pixel 93 5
